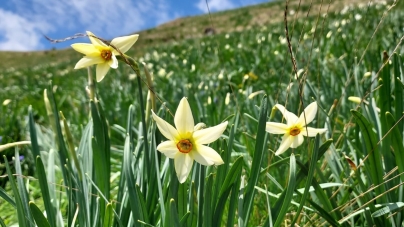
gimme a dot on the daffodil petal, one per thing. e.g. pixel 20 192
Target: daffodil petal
pixel 297 140
pixel 290 118
pixel 113 63
pixel 124 43
pixel 311 132
pixel 86 49
pixel 165 128
pixel 276 128
pixel 287 141
pixel 208 135
pixel 101 71
pixel 207 156
pixel 184 121
pixel 183 165
pixel 308 115
pixel 87 61
pixel 94 40
pixel 169 148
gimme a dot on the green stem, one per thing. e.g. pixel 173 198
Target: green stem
pixel 91 85
pixel 135 67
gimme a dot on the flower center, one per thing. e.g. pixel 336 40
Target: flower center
pixel 184 146
pixel 294 131
pixel 106 54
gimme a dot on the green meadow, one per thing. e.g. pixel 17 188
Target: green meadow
pixel 93 158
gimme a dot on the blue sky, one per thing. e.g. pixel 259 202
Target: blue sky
pixel 24 23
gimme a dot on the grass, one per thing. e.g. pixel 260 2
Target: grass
pixel 238 75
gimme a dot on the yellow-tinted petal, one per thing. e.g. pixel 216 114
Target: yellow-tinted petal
pixel 297 140
pixel 169 148
pixel 165 128
pixel 102 70
pixel 113 63
pixel 205 155
pixel 290 118
pixel 183 165
pixel 287 141
pixel 94 40
pixel 276 128
pixel 183 119
pixel 86 49
pixel 208 135
pixel 87 61
pixel 310 113
pixel 311 132
pixel 124 43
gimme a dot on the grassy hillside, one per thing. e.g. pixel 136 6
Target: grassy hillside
pixel 190 27
pixel 355 169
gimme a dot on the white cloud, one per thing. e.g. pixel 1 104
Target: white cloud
pixel 215 5
pixel 19 34
pixel 106 18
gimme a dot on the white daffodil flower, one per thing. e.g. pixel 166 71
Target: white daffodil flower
pixel 101 54
pixel 295 127
pixel 186 142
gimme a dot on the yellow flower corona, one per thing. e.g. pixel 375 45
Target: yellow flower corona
pixel 295 127
pixel 101 54
pixel 186 142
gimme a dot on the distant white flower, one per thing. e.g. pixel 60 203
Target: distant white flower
pixel 367 74
pixel 6 102
pixel 295 127
pixel 186 141
pixel 101 54
pixel 355 99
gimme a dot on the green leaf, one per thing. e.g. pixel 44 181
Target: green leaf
pixel 43 184
pixel 398 90
pixel 123 208
pixel 228 185
pixel 32 133
pixel 201 188
pixel 175 221
pixel 139 211
pixel 257 160
pixel 5 196
pixel 374 166
pixel 108 216
pixel 2 223
pixel 22 189
pixel 388 208
pixel 40 219
pixel 62 151
pixel 222 170
pixel 101 151
pixel 233 204
pixel 207 203
pixel 288 193
pixel 193 206
pixel 313 161
pixel 183 220
pixel 324 213
pixel 157 178
pixel 20 206
pixel 72 151
pixel 396 143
